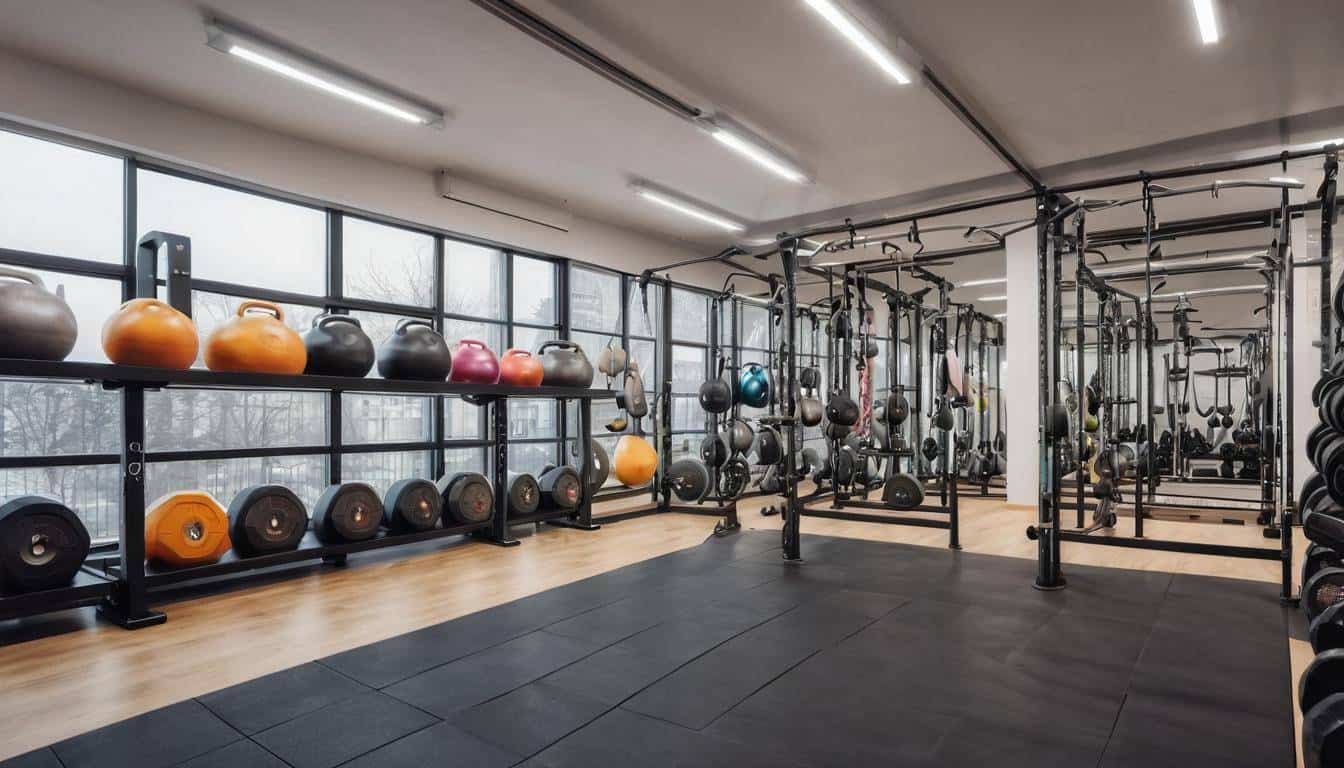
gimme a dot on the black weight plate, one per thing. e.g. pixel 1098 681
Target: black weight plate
pixel 468 498
pixel 524 494
pixel 1323 677
pixel 560 488
pixel 1330 408
pixel 1327 453
pixel 736 476
pixel 1323 590
pixel 903 491
pixel 347 512
pixel 689 479
pixel 413 504
pixel 42 544
pixel 266 518
pixel 714 450
pixel 1323 733
pixel 1327 630
pixel 1315 437
pixel 1318 558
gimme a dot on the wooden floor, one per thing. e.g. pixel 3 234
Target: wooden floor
pixel 68 674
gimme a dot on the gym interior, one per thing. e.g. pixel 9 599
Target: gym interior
pixel 612 382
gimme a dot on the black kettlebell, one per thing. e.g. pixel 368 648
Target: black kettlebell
pixel 834 431
pixel 943 418
pixel 415 351
pixel 898 409
pixel 841 409
pixel 337 346
pixel 1227 421
pixel 1214 421
pixel 716 396
pixel 930 448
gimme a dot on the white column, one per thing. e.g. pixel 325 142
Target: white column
pixel 1306 360
pixel 1021 379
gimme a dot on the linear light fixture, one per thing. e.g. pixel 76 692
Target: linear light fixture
pixel 1227 290
pixel 686 208
pixel 273 58
pixel 1208 23
pixel 754 148
pixel 986 281
pixel 993 298
pixel 861 38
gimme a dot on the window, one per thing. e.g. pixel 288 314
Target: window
pixel 45 418
pixel 388 264
pixel 220 419
pixel 533 291
pixel 238 237
pixel 209 310
pixel 375 418
pixel 461 420
pixel 93 300
pixel 489 334
pixel 60 200
pixel 473 282
pixel 594 301
pixel 531 339
pixel 93 492
pixel 381 470
pixel 690 316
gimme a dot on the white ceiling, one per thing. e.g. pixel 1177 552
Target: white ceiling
pixel 1058 84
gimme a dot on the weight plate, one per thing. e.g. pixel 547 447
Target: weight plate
pixel 524 494
pixel 186 528
pixel 347 512
pixel 689 479
pixel 413 504
pixel 42 544
pixel 468 497
pixel 266 518
pixel 560 488
pixel 1327 630
pixel 1323 590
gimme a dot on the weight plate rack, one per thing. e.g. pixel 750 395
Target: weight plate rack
pixel 120 583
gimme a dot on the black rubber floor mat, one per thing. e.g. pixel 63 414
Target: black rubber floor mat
pixel 868 653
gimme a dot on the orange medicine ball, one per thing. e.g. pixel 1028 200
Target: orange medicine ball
pixel 257 343
pixel 151 333
pixel 635 461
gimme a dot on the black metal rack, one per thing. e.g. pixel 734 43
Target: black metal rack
pixel 121 590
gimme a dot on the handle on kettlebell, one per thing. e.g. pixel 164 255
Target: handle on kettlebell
pixel 19 274
pixel 326 318
pixel 472 343
pixel 262 305
pixel 404 322
pixel 515 352
pixel 559 343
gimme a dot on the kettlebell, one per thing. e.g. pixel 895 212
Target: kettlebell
pixel 768 446
pixel 930 448
pixel 635 461
pixel 1214 420
pixel 520 369
pixel 152 333
pixel 415 351
pixel 564 364
pixel 337 346
pixel 898 409
pixel 716 396
pixel 1226 421
pixel 810 411
pixel 259 342
pixel 842 410
pixel 754 386
pixel 942 419
pixel 741 436
pixel 714 450
pixel 474 363
pixel 38 324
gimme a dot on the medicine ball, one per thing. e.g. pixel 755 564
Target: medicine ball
pixel 635 462
pixel 898 409
pixel 716 396
pixel 835 431
pixel 769 448
pixel 943 418
pixel 930 448
pixel 714 450
pixel 810 411
pixel 741 436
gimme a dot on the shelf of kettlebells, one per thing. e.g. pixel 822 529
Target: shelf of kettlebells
pixel 113 375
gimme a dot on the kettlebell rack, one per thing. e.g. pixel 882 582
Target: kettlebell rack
pixel 121 585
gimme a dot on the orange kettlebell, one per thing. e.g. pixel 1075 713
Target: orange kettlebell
pixel 258 343
pixel 186 528
pixel 635 461
pixel 152 333
pixel 519 368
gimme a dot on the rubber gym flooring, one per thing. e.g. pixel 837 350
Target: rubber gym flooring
pixel 869 653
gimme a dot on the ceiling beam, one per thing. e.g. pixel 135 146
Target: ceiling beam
pixel 978 126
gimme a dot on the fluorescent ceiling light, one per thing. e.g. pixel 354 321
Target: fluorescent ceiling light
pixel 986 281
pixel 273 58
pixel 1227 289
pixel 687 208
pixel 1208 23
pixel 992 298
pixel 861 38
pixel 742 142
pixel 1285 180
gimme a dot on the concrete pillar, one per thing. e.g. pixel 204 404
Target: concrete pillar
pixel 1021 376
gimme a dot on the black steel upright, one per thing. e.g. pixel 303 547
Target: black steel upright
pixel 793 509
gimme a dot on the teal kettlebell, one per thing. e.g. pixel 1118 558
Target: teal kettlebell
pixel 754 386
